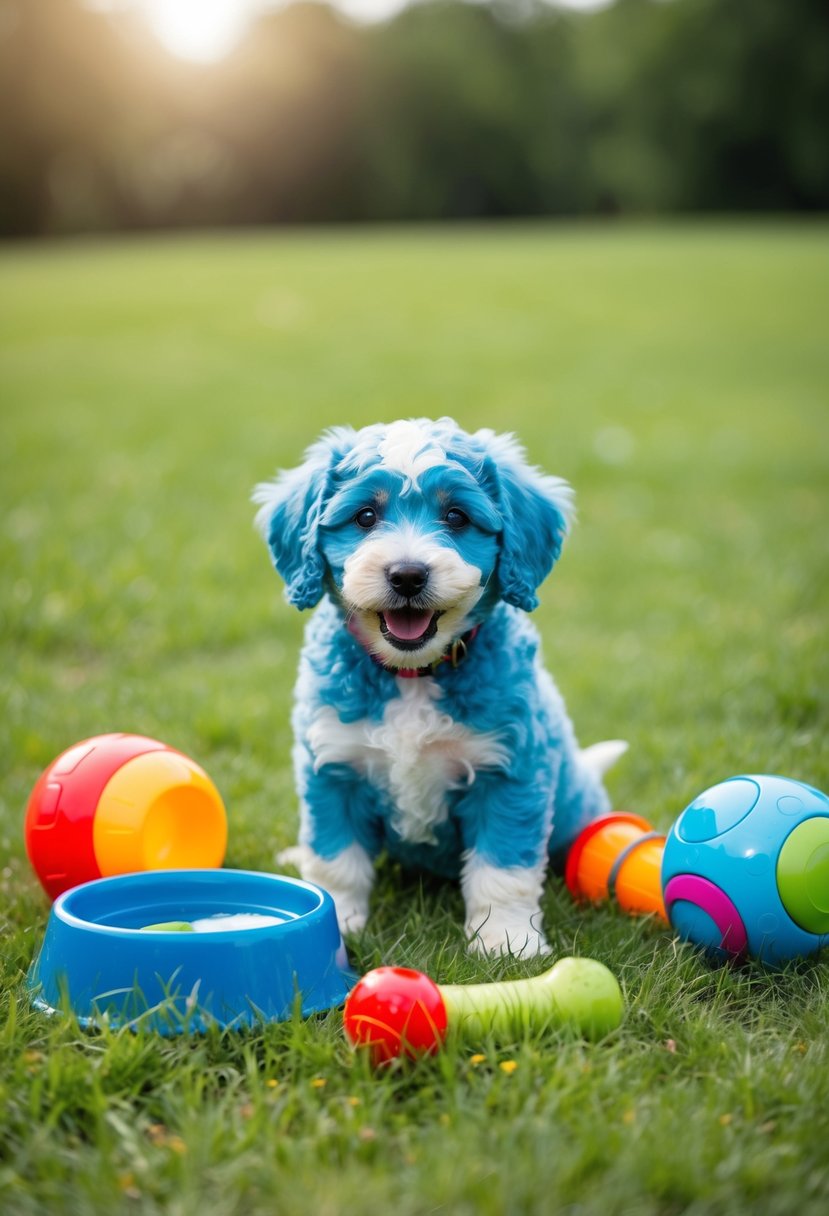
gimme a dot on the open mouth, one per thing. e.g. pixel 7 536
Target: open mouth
pixel 408 628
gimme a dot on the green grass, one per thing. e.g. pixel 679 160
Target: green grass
pixel 678 376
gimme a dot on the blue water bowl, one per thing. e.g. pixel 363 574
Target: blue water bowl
pixel 179 950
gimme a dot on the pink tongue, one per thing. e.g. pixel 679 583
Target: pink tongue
pixel 407 625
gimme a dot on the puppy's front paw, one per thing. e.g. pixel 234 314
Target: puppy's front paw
pixel 503 908
pixel 502 935
pixel 351 920
pixel 347 878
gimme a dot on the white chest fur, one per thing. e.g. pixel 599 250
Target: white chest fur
pixel 416 753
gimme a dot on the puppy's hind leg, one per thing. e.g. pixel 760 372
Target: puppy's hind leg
pixel 581 796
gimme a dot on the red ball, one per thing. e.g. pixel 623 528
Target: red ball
pixel 395 1011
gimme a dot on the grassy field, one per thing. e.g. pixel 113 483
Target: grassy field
pixel 679 377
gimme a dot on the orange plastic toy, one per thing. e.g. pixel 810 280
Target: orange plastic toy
pixel 119 803
pixel 619 856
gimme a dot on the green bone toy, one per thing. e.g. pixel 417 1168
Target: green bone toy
pixel 395 1011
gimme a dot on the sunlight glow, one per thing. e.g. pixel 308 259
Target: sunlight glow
pixel 200 30
pixel 204 31
pixel 370 10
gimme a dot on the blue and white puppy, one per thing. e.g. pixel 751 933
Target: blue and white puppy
pixel 425 725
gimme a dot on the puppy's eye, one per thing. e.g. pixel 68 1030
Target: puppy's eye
pixel 366 518
pixel 456 519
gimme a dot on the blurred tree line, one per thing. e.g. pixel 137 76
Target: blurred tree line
pixel 452 110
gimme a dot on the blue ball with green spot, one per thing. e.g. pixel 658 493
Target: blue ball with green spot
pixel 746 869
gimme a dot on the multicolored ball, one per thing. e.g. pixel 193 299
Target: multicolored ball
pixel 746 869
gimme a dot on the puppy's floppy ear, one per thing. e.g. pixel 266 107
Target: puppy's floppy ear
pixel 289 516
pixel 536 512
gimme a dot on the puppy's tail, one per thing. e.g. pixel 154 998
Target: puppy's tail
pixel 598 758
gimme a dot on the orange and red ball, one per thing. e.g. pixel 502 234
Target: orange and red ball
pixel 119 803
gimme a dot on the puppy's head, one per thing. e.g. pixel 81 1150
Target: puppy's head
pixel 416 529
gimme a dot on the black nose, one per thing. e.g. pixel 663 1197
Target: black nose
pixel 408 578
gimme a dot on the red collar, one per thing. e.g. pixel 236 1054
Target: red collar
pixel 455 655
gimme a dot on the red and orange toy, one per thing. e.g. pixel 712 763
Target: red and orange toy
pixel 619 856
pixel 119 803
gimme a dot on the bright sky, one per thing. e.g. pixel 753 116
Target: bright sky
pixel 205 30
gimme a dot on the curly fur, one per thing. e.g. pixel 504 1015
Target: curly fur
pixel 472 771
